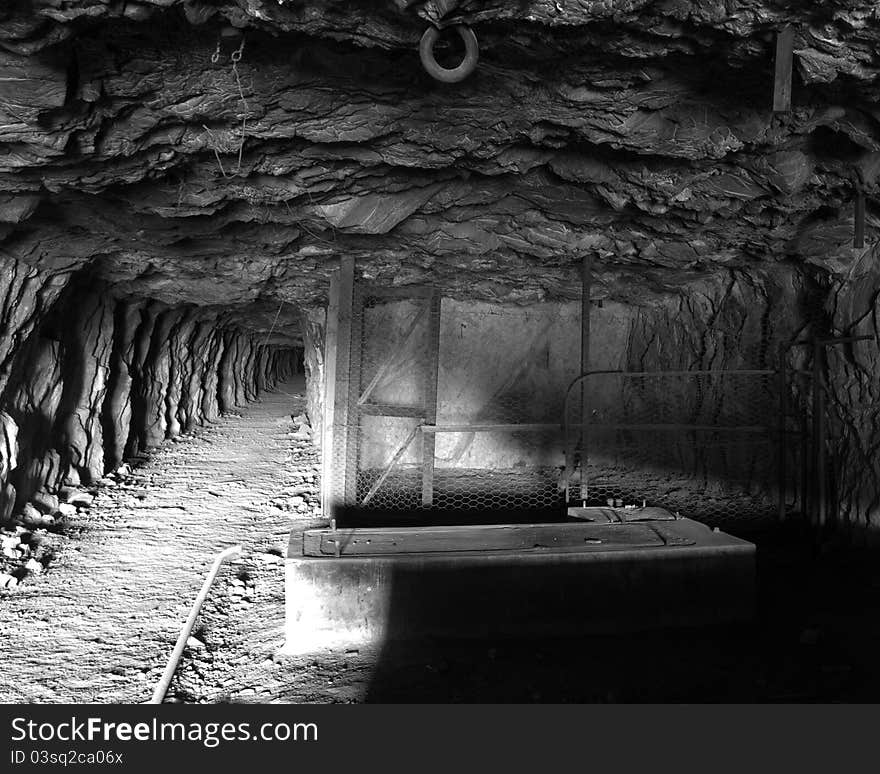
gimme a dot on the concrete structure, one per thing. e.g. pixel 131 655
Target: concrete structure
pixel 511 580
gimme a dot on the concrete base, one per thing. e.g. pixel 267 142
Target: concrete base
pixel 690 576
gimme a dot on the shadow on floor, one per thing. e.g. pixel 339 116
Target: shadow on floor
pixel 814 639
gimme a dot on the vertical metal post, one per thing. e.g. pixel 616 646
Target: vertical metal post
pixel 432 368
pixel 432 363
pixel 821 471
pixel 819 433
pixel 783 444
pixel 354 389
pixel 341 468
pixel 568 439
pixel 804 475
pixel 783 68
pixel 859 236
pixel 328 426
pixel 586 287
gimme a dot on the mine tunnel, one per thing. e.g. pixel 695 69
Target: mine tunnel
pixel 505 338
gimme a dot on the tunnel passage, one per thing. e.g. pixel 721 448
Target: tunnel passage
pixel 186 156
pixel 182 181
pixel 91 377
pixel 200 185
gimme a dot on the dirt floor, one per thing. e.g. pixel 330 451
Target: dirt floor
pixel 98 623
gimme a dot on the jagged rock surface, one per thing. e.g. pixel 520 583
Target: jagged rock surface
pixel 640 131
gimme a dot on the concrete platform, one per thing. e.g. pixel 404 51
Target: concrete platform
pixel 511 580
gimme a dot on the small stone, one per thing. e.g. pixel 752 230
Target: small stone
pixel 194 643
pixel 33 566
pixel 76 496
pixel 67 510
pixel 10 541
pixel 296 502
pixel 33 518
pixel 30 514
pixel 45 503
pixel 7 581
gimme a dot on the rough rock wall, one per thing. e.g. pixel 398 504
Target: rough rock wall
pixel 314 321
pixel 88 378
pixel 854 394
pixel 725 320
pixel 28 293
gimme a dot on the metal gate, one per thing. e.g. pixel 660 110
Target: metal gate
pixel 383 391
pixel 426 420
pixel 711 445
pixel 394 396
pixel 426 412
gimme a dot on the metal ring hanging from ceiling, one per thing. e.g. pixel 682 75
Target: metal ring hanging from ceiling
pixel 445 74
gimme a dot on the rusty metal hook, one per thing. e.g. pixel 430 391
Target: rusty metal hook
pixel 445 74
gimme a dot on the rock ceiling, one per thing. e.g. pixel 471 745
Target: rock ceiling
pixel 638 132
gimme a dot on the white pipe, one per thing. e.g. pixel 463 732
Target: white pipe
pixel 165 681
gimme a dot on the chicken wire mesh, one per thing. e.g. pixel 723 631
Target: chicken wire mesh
pixel 705 444
pixel 391 394
pixel 439 416
pixel 435 422
pixel 518 477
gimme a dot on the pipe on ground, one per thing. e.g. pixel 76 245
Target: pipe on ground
pixel 165 680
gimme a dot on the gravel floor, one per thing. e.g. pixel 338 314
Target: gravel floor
pixel 99 623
